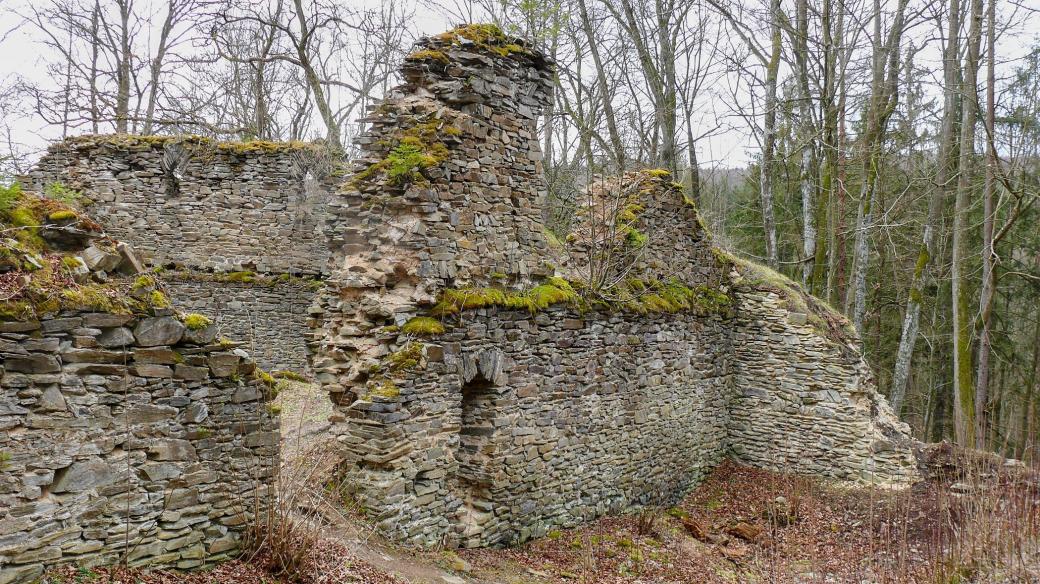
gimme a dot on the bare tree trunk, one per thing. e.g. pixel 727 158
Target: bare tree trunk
pixel 618 148
pixel 808 139
pixel 666 109
pixel 836 275
pixel 765 182
pixel 883 98
pixel 95 49
pixel 67 105
pixel 989 277
pixel 310 74
pixel 927 251
pixel 1027 401
pixel 823 265
pixel 156 66
pixel 123 69
pixel 963 382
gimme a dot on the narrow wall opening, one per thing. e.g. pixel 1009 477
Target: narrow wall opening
pixel 475 455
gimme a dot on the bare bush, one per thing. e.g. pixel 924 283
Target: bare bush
pixel 287 529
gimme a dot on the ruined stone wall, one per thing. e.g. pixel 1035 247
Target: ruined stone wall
pixel 201 204
pixel 805 400
pixel 269 318
pixel 490 387
pixel 125 430
pixel 204 206
pixel 514 424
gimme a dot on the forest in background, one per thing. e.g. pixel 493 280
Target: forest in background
pixel 894 147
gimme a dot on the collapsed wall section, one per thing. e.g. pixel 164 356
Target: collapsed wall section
pixel 803 397
pixel 251 211
pixel 129 432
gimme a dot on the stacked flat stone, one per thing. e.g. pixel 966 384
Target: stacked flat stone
pixel 212 207
pixel 676 245
pixel 510 423
pixel 471 218
pixel 805 402
pixel 270 320
pixel 123 429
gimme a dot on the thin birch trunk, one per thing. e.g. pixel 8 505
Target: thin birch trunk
pixel 927 251
pixel 808 137
pixel 769 138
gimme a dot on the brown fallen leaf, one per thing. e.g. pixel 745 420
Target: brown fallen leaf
pixel 733 553
pixel 695 528
pixel 745 531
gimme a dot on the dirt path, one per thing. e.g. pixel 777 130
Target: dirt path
pixel 304 413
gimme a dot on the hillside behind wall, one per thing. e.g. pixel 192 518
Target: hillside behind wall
pixel 481 400
pixel 227 215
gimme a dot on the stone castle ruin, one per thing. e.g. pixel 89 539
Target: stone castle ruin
pixel 130 433
pixel 491 381
pixel 492 384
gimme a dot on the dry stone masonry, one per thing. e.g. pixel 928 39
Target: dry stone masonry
pixel 251 211
pixel 130 432
pixel 126 437
pixel 493 382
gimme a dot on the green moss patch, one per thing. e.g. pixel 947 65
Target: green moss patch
pixel 428 55
pixel 657 172
pixel 415 148
pixel 423 326
pixel 195 321
pixel 822 316
pixel 488 37
pixel 396 365
pixel 632 295
pixel 62 215
pixel 554 291
pixel 51 289
pixel 242 277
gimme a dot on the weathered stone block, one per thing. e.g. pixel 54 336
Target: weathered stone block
pixel 35 363
pixel 172 449
pixel 155 331
pixel 82 476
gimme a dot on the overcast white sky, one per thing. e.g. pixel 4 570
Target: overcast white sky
pixel 22 55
